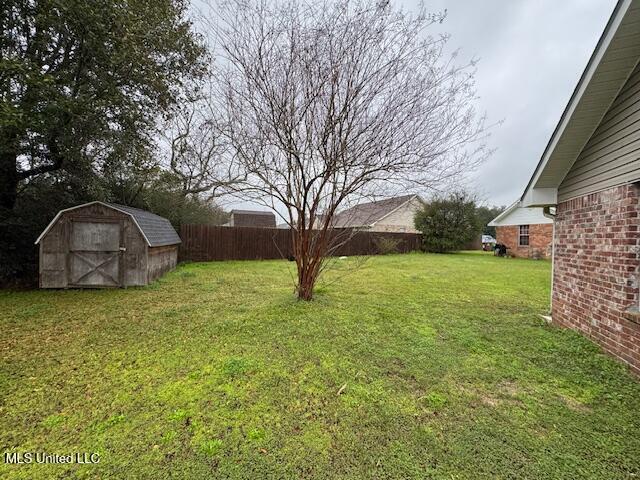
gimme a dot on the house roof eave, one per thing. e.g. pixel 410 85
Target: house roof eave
pixel 569 136
pixel 496 221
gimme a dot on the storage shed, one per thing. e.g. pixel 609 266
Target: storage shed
pixel 100 244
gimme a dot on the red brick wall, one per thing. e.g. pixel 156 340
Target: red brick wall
pixel 596 270
pixel 540 236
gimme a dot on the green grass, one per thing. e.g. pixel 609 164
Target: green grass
pixel 216 371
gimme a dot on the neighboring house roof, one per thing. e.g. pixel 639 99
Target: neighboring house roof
pixel 156 230
pixel 368 214
pixel 612 62
pixel 252 212
pixel 252 218
pixel 516 214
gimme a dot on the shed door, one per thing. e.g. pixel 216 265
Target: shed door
pixel 94 254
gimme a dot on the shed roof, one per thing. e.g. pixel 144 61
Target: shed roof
pixel 367 214
pixel 156 230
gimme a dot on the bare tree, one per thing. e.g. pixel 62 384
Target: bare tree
pixel 328 102
pixel 195 148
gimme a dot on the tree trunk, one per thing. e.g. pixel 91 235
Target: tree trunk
pixel 307 262
pixel 306 282
pixel 8 170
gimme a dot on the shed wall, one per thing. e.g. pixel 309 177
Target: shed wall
pixel 53 257
pixel 54 247
pixel 161 260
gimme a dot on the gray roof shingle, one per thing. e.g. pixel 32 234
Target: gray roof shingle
pixel 252 218
pixel 157 229
pixel 366 214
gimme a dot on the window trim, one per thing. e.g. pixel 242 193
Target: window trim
pixel 522 235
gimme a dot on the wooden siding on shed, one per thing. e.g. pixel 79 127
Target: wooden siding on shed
pixel 54 247
pixel 611 157
pixel 161 260
pixel 53 257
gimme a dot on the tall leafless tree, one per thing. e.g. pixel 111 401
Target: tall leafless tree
pixel 195 148
pixel 328 102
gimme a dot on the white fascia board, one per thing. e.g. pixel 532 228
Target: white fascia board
pixel 496 221
pixel 610 30
pixel 540 197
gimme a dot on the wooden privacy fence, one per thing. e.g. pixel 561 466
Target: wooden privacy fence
pixel 204 243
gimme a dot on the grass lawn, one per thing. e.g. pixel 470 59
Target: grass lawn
pixel 216 371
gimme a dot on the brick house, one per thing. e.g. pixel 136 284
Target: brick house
pixel 526 232
pixel 590 171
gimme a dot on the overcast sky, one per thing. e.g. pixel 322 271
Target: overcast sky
pixel 532 53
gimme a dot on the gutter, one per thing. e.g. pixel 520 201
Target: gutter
pixel 546 211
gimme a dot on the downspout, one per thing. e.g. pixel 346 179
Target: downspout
pixel 546 211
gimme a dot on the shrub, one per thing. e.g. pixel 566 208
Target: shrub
pixel 448 223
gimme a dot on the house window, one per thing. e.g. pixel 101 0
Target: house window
pixel 523 236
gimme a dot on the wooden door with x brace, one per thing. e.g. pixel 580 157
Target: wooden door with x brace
pixel 94 253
